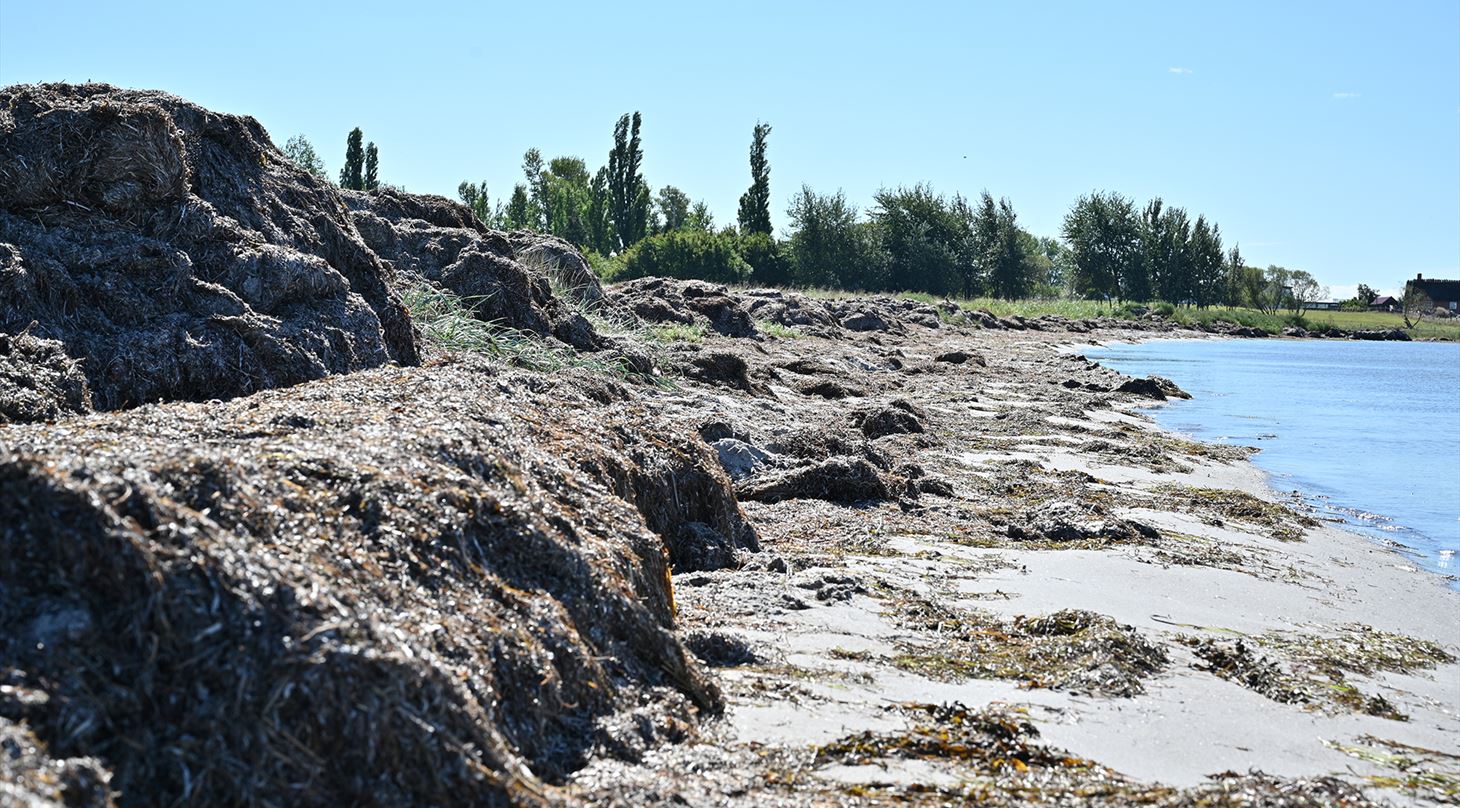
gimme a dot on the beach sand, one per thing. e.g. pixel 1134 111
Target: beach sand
pixel 1329 615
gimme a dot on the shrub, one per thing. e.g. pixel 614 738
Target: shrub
pixel 768 262
pixel 691 254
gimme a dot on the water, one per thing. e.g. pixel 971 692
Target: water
pixel 1367 431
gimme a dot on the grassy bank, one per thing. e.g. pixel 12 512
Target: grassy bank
pixel 1446 329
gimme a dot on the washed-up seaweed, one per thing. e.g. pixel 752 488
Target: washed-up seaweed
pixel 398 586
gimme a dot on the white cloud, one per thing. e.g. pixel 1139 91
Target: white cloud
pixel 1344 96
pixel 1185 71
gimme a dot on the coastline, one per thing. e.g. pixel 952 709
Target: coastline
pixel 840 669
pixel 1337 511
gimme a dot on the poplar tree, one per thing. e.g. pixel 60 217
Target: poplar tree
pixel 755 203
pixel 352 173
pixel 372 168
pixel 628 194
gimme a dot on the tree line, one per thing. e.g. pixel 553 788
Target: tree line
pixel 913 238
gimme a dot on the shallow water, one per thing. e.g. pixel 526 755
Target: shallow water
pixel 1367 431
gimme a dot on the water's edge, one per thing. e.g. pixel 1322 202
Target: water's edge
pixel 1337 515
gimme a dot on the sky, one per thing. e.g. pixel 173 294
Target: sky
pixel 1319 135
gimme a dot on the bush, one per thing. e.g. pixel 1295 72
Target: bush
pixel 1164 309
pixel 607 267
pixel 768 263
pixel 689 254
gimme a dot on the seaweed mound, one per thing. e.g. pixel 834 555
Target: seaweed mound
pixel 38 381
pixel 398 586
pixel 176 253
pixel 670 301
pixel 508 278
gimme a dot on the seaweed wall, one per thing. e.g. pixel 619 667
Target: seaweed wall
pixel 393 587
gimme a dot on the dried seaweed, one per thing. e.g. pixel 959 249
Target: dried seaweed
pixel 394 586
pixel 1312 670
pixel 1066 650
pixel 995 751
pixel 1220 505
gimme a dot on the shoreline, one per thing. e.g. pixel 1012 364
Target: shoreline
pixel 840 669
pixel 1334 512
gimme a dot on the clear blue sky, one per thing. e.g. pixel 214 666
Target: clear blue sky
pixel 1319 135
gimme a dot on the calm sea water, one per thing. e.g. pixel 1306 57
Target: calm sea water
pixel 1369 431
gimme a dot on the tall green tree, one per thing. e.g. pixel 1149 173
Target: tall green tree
pixel 1008 265
pixel 922 239
pixel 599 217
pixel 823 244
pixel 371 180
pixel 1103 235
pixel 1236 271
pixel 569 199
pixel 700 218
pixel 755 203
pixel 519 209
pixel 672 206
pixel 628 194
pixel 302 153
pixel 352 174
pixel 1208 263
pixel 537 192
pixel 475 197
pixel 1175 272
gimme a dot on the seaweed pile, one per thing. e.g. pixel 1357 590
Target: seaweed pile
pixel 177 254
pixel 316 572
pixel 398 586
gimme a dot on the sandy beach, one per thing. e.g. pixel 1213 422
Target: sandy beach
pixel 1252 609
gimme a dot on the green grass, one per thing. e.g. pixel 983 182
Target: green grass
pixel 1429 328
pixel 678 332
pixel 776 330
pixel 449 323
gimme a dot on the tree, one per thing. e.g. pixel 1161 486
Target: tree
pixel 519 210
pixel 559 197
pixel 1174 281
pixel 1303 289
pixel 1366 294
pixel 302 153
pixel 352 173
pixel 672 206
pixel 755 203
pixel 1252 285
pixel 599 218
pixel 628 194
pixel 1207 263
pixel 475 197
pixel 922 240
pixel 825 248
pixel 1008 266
pixel 537 191
pixel 1236 273
pixel 372 168
pixel 1058 264
pixel 701 218
pixel 1103 235
pixel 1415 305
pixel 1276 283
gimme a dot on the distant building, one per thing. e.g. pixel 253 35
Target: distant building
pixel 1443 293
pixel 1320 305
pixel 1384 303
